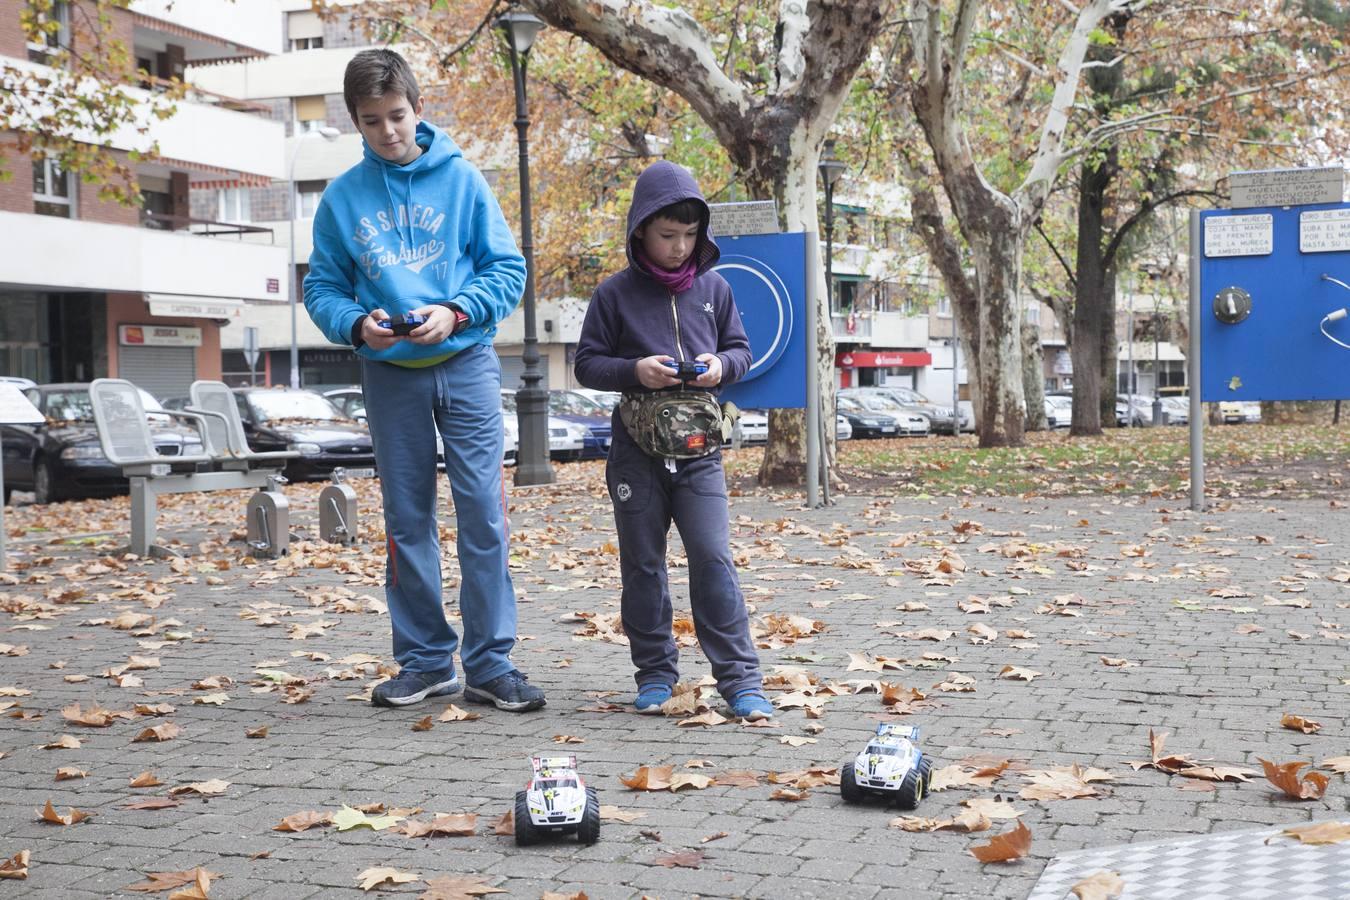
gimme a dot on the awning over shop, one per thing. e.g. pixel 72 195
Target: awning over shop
pixel 892 359
pixel 192 307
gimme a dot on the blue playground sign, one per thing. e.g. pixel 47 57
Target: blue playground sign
pixel 1274 287
pixel 767 274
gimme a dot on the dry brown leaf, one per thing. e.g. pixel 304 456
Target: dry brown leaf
pixel 64 742
pixel 16 867
pixel 714 837
pixel 1217 773
pixel 981 633
pixel 422 724
pixel 454 714
pixel 858 662
pixel 1116 662
pixel 1015 673
pixel 49 814
pixel 1338 764
pixel 166 732
pixel 967 821
pixel 457 825
pixel 94 717
pixel 145 779
pixel 1298 723
pixel 796 740
pixel 1285 777
pixel 198 889
pixel 303 821
pixel 1061 783
pixel 615 814
pixel 790 794
pixel 1321 833
pixel 167 881
pixel 153 803
pixel 1099 886
pixel 506 825
pixel 649 778
pixel 688 859
pixel 689 780
pixel 457 887
pixel 737 778
pixel 384 875
pixel 1005 847
pixel 992 807
pixel 211 788
pixel 259 732
pixel 66 773
pixel 1172 764
pixel 709 718
pixel 959 776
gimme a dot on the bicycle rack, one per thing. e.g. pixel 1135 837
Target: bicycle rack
pixel 338 518
pixel 269 520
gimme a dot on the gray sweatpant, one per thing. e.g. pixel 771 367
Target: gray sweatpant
pixel 646 498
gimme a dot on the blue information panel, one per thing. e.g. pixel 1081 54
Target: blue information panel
pixel 767 274
pixel 1262 270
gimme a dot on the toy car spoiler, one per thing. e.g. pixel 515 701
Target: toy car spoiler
pixel 904 731
pixel 553 762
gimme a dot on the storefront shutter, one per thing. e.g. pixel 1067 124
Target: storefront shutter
pixel 163 371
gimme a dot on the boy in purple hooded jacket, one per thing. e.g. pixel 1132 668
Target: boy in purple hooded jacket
pixel 668 306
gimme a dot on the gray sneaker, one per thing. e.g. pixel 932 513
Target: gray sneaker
pixel 408 687
pixel 511 692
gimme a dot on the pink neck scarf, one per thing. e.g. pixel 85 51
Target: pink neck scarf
pixel 678 280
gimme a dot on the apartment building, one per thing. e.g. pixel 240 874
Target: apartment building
pixel 92 288
pixel 302 87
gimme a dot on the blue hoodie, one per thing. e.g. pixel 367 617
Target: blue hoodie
pixel 632 315
pixel 400 237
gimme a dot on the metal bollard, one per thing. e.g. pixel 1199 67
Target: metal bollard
pixel 269 520
pixel 338 520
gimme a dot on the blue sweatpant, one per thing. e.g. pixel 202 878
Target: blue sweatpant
pixel 646 498
pixel 405 407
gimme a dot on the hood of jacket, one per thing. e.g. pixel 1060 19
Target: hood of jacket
pixel 661 184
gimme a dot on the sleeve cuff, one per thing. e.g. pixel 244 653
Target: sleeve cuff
pixel 356 339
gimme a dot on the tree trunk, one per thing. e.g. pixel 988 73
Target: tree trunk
pixel 998 358
pixel 1094 394
pixel 1033 378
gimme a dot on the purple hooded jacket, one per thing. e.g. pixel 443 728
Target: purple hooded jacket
pixel 632 315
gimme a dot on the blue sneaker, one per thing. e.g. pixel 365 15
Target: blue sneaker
pixel 751 705
pixel 511 692
pixel 651 697
pixel 409 687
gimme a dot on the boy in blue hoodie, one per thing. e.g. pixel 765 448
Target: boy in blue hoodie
pixel 664 308
pixel 414 228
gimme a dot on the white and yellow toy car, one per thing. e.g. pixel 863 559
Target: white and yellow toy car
pixel 556 800
pixel 890 765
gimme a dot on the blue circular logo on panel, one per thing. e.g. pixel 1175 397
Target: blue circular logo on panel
pixel 766 312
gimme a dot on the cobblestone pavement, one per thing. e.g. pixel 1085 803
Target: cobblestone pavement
pixel 1171 593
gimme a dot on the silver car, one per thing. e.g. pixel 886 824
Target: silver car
pixel 939 417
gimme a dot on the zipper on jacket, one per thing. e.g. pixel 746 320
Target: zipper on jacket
pixel 675 315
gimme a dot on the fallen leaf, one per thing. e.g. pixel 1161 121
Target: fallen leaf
pixel 737 778
pixel 1005 847
pixel 66 773
pixel 49 814
pixel 166 732
pixel 64 742
pixel 1217 773
pixel 689 780
pixel 569 739
pixel 1019 674
pixel 688 859
pixel 506 825
pixel 981 633
pixel 95 717
pixel 1062 783
pixel 1321 833
pixel 457 887
pixel 615 814
pixel 422 724
pixel 1298 723
pixel 1099 886
pixel 792 795
pixel 649 778
pixel 457 825
pixel 347 818
pixel 384 875
pixel 795 740
pixel 211 788
pixel 1338 764
pixel 199 888
pixel 1116 662
pixel 715 837
pixel 145 779
pixel 959 776
pixel 709 718
pixel 167 881
pixel 992 807
pixel 259 732
pixel 1285 777
pixel 16 867
pixel 303 821
pixel 454 714
pixel 154 803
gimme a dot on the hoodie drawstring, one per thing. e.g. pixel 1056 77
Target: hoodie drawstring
pixel 404 226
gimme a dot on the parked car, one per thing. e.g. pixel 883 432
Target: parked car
pixel 940 418
pixel 61 459
pixel 754 426
pixel 18 381
pixel 310 424
pixel 565 439
pixel 866 422
pixel 1239 411
pixel 1058 410
pixel 907 422
pixel 843 431
pixel 573 407
pixel 606 399
pixel 1176 410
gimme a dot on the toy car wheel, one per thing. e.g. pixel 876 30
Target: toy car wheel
pixel 911 790
pixel 588 832
pixel 926 770
pixel 526 833
pixel 848 785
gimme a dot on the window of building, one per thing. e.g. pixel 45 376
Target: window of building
pixel 52 190
pixel 310 113
pixel 1033 313
pixel 308 194
pixel 845 295
pixel 233 205
pixel 304 30
pixel 944 307
pixel 56 24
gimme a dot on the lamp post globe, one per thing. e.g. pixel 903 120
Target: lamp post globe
pixel 532 464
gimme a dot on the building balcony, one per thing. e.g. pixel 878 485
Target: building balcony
pixel 74 255
pixel 880 329
pixel 249 28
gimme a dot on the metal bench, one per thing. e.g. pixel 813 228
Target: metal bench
pixel 124 433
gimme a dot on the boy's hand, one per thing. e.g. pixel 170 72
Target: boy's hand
pixel 378 338
pixel 713 376
pixel 440 324
pixel 653 372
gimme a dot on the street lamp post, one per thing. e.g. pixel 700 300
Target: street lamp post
pixel 328 134
pixel 830 171
pixel 1157 374
pixel 532 465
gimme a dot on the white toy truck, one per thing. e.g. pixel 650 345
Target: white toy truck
pixel 556 800
pixel 890 766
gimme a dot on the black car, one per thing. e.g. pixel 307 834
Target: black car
pixel 866 422
pixel 61 459
pixel 308 423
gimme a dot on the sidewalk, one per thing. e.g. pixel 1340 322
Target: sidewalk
pixel 1169 592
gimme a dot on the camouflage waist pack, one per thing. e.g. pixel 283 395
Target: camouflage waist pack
pixel 673 424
